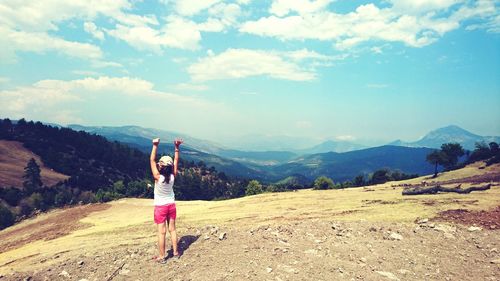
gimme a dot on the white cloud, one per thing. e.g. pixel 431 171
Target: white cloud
pixel 284 7
pixel 428 21
pixel 4 80
pixel 345 138
pixel 241 63
pixel 304 54
pixel 422 6
pixel 13 41
pixel 191 87
pixel 61 101
pixel 193 7
pixel 178 32
pixel 92 29
pixel 104 64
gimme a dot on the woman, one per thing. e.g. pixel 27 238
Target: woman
pixel 164 173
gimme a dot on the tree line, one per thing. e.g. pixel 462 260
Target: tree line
pixel 99 171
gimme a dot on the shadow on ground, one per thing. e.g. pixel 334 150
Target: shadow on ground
pixel 184 244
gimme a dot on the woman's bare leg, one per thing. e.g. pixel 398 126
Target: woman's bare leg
pixel 173 236
pixel 162 230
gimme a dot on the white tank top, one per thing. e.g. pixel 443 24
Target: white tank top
pixel 164 192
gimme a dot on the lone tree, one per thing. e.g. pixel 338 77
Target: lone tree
pixel 254 187
pixel 452 151
pixel 436 158
pixel 323 183
pixel 32 180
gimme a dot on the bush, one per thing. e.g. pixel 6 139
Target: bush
pixel 137 188
pixel 106 196
pixel 62 198
pixel 87 197
pixel 6 217
pixel 36 201
pixel 25 207
pixel 322 183
pixel 254 187
pixel 11 195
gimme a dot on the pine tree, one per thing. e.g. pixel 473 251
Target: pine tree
pixel 32 180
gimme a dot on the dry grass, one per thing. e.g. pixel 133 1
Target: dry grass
pixel 129 221
pixel 13 159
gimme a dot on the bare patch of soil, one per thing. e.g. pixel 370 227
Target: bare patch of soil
pixel 488 219
pixel 14 157
pixel 52 227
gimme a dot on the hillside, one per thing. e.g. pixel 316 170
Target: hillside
pixel 366 233
pixel 346 166
pixel 14 157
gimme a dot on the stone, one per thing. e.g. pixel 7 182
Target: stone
pixel 222 236
pixel 422 221
pixel 206 237
pixel 80 263
pixel 445 228
pixel 474 228
pixel 269 270
pixel 497 261
pixel 64 273
pixel 388 275
pixel 214 230
pixel 404 271
pixel 395 236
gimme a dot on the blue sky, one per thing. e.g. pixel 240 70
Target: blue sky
pixel 345 70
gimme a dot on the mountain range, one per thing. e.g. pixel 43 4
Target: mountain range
pixel 341 160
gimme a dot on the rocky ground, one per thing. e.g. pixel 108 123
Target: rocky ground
pixel 301 250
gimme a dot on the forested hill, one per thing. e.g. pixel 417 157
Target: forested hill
pixel 91 161
pixel 94 163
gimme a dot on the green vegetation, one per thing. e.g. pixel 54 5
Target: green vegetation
pixel 323 183
pixel 254 187
pixel 489 152
pixel 98 170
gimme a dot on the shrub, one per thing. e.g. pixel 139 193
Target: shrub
pixel 12 195
pixel 36 201
pixel 62 198
pixel 254 187
pixel 87 197
pixel 322 183
pixel 6 217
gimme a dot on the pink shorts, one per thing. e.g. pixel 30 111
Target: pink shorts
pixel 165 212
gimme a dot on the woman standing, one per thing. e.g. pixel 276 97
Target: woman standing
pixel 165 212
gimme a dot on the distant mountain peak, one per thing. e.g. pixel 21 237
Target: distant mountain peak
pixel 450 130
pixel 448 134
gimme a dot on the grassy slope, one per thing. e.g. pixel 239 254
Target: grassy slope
pixel 13 159
pixel 129 221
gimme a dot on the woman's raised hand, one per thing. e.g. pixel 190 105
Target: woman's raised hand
pixel 156 141
pixel 178 142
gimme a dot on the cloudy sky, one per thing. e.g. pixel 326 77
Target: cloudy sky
pixel 336 69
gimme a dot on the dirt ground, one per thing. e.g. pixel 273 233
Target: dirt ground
pixel 51 227
pixel 347 234
pixel 302 250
